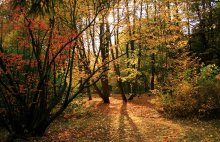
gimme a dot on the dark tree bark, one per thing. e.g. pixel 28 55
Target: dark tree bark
pixel 104 47
pixel 152 71
pixel 88 91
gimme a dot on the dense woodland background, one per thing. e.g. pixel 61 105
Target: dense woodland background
pixel 53 51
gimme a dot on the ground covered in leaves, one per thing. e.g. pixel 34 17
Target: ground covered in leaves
pixel 135 121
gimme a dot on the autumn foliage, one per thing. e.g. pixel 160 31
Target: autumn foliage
pixel 53 51
pixel 36 70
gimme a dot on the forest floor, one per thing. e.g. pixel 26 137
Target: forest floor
pixel 135 121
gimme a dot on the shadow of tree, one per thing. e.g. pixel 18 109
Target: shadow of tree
pixel 125 122
pixel 142 100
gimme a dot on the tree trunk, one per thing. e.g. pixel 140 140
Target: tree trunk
pixel 152 71
pixel 104 47
pixel 88 91
pixel 116 65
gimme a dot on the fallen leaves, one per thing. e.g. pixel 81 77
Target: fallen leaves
pixel 134 121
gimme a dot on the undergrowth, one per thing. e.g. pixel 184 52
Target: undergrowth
pixel 194 95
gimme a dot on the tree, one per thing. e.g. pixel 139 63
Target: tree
pixel 204 38
pixel 36 72
pixel 116 65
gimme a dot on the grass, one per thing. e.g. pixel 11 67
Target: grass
pixel 136 121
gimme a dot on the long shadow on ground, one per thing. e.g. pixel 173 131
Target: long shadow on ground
pixel 124 117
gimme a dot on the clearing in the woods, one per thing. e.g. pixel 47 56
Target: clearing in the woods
pixel 135 121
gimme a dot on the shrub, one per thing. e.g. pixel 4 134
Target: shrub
pixel 182 103
pixel 209 91
pixel 198 96
pixel 209 99
pixel 209 73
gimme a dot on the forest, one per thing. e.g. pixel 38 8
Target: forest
pixel 109 70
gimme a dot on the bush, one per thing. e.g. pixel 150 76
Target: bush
pixel 199 96
pixel 209 100
pixel 182 103
pixel 209 91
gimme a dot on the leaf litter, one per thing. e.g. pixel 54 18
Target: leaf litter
pixel 138 120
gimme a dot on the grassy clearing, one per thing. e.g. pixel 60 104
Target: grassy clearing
pixel 136 121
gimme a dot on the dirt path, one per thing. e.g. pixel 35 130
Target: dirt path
pixel 135 121
pixel 138 120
